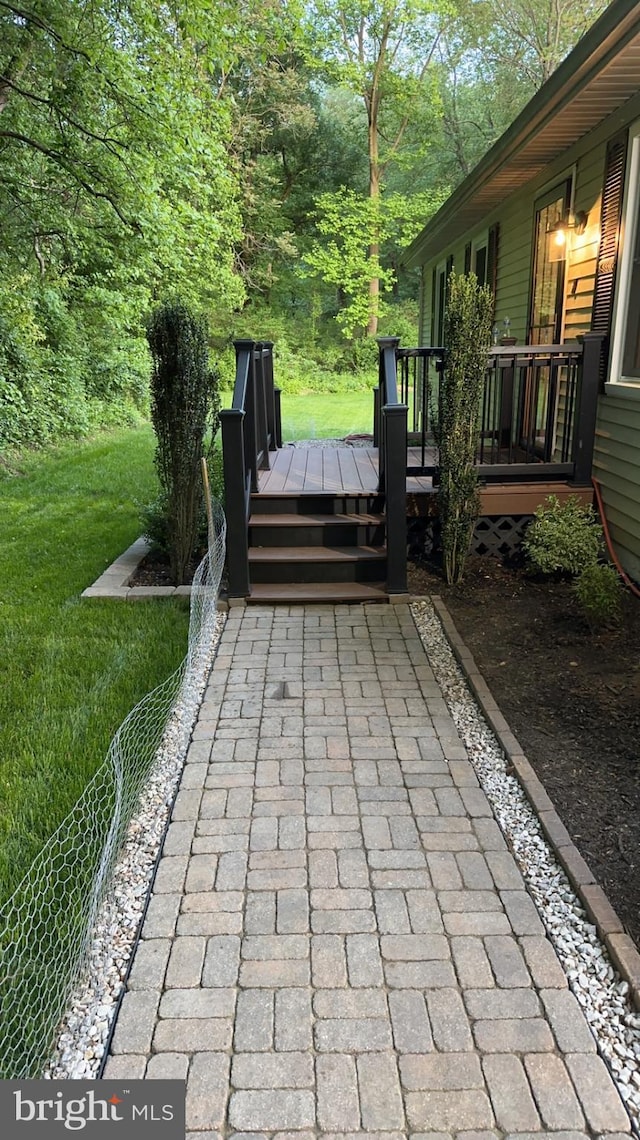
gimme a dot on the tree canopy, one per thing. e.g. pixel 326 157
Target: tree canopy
pixel 238 156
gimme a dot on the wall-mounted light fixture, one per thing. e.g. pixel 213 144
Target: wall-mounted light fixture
pixel 558 232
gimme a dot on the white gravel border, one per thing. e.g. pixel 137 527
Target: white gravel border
pixel 598 987
pixel 85 1029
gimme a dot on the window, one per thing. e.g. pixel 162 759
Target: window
pixel 631 357
pixel 440 279
pixel 547 285
pixel 480 260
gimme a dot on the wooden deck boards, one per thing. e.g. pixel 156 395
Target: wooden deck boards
pixel 354 470
pixel 330 470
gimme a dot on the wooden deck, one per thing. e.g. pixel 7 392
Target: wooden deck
pixel 354 470
pixel 330 470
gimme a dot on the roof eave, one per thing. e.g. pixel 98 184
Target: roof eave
pixel 618 24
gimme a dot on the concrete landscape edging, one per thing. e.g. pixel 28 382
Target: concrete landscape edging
pixel 619 944
pixel 114 581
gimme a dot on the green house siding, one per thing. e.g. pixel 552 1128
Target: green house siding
pixel 617 447
pixel 617 467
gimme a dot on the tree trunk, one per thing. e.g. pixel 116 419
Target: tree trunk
pixel 374 195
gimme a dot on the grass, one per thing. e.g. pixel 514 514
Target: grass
pixel 70 669
pixel 326 415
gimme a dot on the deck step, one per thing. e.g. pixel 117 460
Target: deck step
pixel 343 529
pixel 317 520
pixel 316 553
pixel 314 503
pixel 305 564
pixel 302 593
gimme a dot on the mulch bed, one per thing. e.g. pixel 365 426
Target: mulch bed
pixel 572 697
pixel 154 571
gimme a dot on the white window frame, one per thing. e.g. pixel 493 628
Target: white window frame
pixel 618 384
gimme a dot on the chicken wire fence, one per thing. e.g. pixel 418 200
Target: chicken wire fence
pixel 46 925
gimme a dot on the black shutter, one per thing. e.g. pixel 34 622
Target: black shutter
pixel 434 287
pixel 612 194
pixel 467 257
pixel 447 275
pixel 492 257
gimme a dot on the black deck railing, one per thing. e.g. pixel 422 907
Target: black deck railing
pixel 537 414
pixel 390 435
pixel 251 428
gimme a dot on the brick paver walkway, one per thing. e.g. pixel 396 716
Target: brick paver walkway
pixel 339 941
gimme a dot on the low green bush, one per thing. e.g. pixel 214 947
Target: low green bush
pixel 563 537
pixel 599 594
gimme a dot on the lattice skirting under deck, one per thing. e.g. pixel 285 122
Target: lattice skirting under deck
pixel 499 535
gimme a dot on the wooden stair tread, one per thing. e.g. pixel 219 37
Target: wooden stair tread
pixel 342 493
pixel 297 593
pixel 316 553
pixel 317 520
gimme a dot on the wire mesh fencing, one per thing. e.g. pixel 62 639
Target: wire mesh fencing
pixel 46 926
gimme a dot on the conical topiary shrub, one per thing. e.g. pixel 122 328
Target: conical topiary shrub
pixel 184 408
pixel 467 336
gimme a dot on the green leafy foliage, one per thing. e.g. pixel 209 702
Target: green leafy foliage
pixel 216 150
pixel 185 405
pixel 357 228
pixel 115 184
pixel 599 594
pixel 563 537
pixel 467 336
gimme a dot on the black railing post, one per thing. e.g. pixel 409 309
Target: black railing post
pixel 506 404
pixel 395 448
pixel 235 501
pixel 388 384
pixel 587 406
pixel 376 417
pixel 277 403
pixel 262 428
pixel 250 433
pixel 270 395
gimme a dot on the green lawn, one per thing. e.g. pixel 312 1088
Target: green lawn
pixel 70 669
pixel 326 415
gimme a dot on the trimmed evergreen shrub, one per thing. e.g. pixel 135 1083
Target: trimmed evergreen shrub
pixel 185 407
pixel 467 337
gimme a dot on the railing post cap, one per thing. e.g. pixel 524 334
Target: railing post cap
pixel 232 413
pixel 395 409
pixel 267 343
pixel 243 344
pixel 388 341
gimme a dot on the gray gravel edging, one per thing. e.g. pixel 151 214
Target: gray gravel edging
pixel 610 928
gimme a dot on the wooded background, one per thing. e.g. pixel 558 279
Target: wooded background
pixel 265 162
